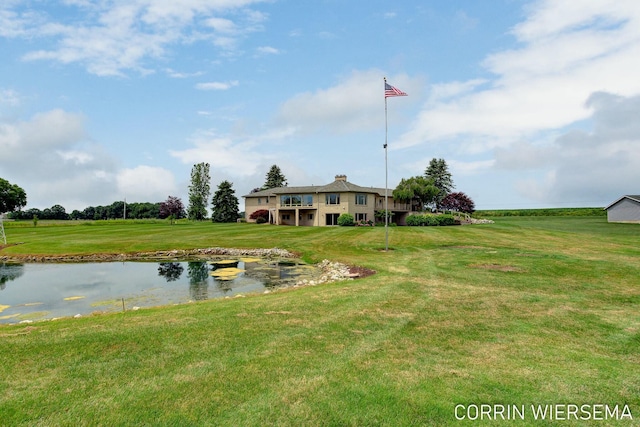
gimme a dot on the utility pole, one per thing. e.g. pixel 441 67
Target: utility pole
pixel 2 235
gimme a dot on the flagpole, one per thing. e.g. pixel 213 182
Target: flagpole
pixel 386 177
pixel 388 91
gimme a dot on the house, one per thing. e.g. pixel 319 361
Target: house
pixel 625 209
pixel 322 205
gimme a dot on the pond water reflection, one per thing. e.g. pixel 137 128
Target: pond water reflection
pixel 44 291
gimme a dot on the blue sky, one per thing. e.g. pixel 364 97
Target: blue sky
pixel 531 103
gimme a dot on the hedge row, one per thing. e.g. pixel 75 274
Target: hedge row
pixel 430 220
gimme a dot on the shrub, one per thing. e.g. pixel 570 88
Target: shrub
pixel 261 213
pixel 415 220
pixel 430 220
pixel 346 220
pixel 446 220
pixel 261 220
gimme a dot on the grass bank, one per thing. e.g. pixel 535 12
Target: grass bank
pixel 526 311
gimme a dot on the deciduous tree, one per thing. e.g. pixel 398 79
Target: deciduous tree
pixel 458 202
pixel 12 197
pixel 417 187
pixel 172 207
pixel 199 191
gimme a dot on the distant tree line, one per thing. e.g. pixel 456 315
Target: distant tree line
pixel 224 205
pixel 116 210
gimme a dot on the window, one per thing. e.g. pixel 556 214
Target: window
pixel 286 217
pixel 310 217
pixel 332 219
pixel 332 199
pixel 259 200
pixel 361 199
pixel 296 200
pixel 361 217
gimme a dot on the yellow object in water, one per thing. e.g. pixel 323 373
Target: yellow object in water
pixel 3 307
pixel 73 298
pixel 9 316
pixel 226 272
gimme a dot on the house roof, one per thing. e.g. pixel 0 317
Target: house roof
pixel 630 197
pixel 337 186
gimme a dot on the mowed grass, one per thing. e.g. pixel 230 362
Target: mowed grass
pixel 539 310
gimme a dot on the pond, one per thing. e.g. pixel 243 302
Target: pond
pixel 30 292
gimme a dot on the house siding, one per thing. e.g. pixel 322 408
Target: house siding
pixel 625 210
pixel 320 213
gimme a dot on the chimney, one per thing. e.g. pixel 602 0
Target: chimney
pixel 341 177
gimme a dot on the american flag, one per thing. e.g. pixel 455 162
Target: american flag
pixel 392 91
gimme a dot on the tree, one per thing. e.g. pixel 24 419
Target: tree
pixel 438 171
pixel 12 197
pixel 417 187
pixel 172 208
pixel 459 202
pixel 275 178
pixel 225 204
pixel 260 216
pixel 58 212
pixel 199 191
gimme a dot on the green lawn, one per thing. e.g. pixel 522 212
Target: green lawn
pixel 526 311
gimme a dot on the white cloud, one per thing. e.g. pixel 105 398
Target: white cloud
pixel 217 85
pixel 268 50
pixel 222 25
pixel 225 153
pixel 146 183
pixel 460 167
pixel 76 157
pixel 568 51
pixel 112 37
pixel 180 75
pixel 9 98
pixel 353 105
pixel 33 139
pixel 581 166
pixel 54 160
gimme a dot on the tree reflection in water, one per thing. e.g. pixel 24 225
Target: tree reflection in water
pixel 9 272
pixel 171 271
pixel 198 274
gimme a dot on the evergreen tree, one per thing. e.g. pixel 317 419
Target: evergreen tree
pixel 225 204
pixel 275 178
pixel 199 191
pixel 438 171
